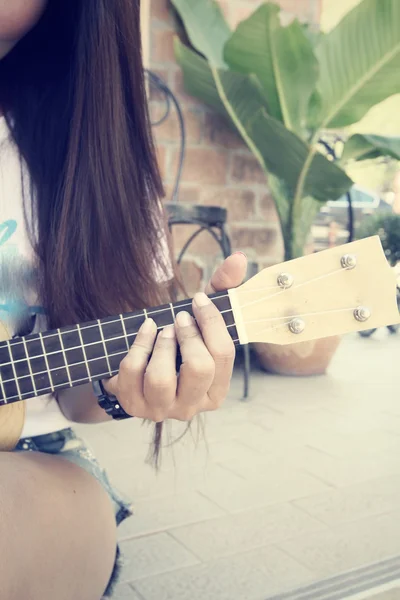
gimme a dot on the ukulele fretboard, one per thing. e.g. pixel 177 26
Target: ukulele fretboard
pixel 43 363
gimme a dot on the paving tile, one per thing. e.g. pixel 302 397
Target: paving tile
pixel 344 472
pixel 354 502
pixel 271 486
pixel 143 481
pixel 125 592
pixel 393 594
pixel 349 546
pixel 153 554
pixel 155 514
pixel 245 531
pixel 248 576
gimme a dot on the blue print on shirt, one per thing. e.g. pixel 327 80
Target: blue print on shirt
pixel 17 279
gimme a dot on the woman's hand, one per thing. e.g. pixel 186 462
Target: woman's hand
pixel 150 389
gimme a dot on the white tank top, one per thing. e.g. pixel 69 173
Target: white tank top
pixel 18 288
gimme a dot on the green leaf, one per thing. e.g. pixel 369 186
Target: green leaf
pixel 295 233
pixel 359 62
pixel 285 154
pixel 283 60
pixel 197 77
pixel 206 27
pixel 366 147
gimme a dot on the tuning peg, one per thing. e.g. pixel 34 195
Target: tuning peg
pixel 285 280
pixel 362 314
pixel 348 261
pixel 297 326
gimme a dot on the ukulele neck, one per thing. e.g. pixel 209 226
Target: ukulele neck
pixel 44 363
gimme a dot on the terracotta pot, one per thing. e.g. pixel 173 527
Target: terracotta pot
pixel 303 358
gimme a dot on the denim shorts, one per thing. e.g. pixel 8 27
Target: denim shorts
pixel 68 445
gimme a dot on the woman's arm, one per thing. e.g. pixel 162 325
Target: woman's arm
pixel 80 405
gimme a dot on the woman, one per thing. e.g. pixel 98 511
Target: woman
pixel 80 236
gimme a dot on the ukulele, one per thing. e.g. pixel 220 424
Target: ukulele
pixel 344 289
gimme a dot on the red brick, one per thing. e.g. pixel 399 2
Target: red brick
pixel 246 168
pixel 268 210
pixel 240 13
pixel 240 204
pixel 162 50
pixel 305 10
pixel 301 8
pixel 264 241
pixel 203 165
pixel 160 10
pixel 192 277
pixel 226 5
pixel 218 132
pixel 169 130
pixel 155 93
pixel 161 152
pixel 188 194
pixel 203 245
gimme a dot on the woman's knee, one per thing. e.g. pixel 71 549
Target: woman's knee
pixel 57 530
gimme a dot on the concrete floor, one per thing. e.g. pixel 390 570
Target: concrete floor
pixel 300 484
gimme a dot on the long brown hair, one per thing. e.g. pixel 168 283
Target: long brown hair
pixel 74 96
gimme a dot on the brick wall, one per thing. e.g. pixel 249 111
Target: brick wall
pixel 218 170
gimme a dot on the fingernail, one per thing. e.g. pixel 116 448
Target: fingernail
pixel 147 326
pixel 168 332
pixel 239 252
pixel 184 319
pixel 201 300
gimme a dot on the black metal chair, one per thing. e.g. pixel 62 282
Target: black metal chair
pixel 210 219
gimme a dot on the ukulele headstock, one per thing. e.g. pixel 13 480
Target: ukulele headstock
pixel 336 291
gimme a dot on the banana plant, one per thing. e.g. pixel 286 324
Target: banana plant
pixel 283 87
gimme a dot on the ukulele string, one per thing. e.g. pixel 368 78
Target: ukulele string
pixel 282 291
pixel 148 313
pixel 287 319
pixel 290 317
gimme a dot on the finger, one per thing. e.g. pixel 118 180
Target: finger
pixel 128 384
pixel 197 370
pixel 229 275
pixel 160 380
pixel 219 344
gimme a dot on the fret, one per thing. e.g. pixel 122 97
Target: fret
pixel 94 348
pixel 162 315
pixel 13 368
pixel 30 366
pixel 223 303
pixel 84 352
pixel 4 358
pixel 146 316
pixel 104 345
pixel 133 322
pixel 47 362
pixel 58 371
pixel 172 311
pixel 3 399
pixel 124 330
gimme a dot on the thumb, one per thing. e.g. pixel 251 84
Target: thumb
pixel 229 275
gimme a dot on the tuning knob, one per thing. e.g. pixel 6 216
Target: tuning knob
pixel 297 326
pixel 285 280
